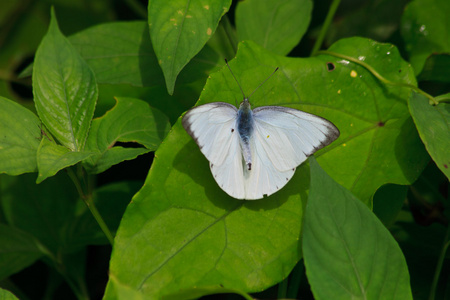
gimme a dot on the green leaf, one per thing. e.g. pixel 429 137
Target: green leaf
pixel 131 120
pixel 7 295
pixel 179 233
pixel 52 158
pixel 348 252
pixel 18 250
pixel 436 68
pixel 179 29
pixel 426 30
pixel 19 141
pixel 196 293
pixel 64 88
pixel 277 26
pixel 433 124
pixel 187 232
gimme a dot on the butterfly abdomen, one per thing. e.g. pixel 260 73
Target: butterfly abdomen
pixel 244 126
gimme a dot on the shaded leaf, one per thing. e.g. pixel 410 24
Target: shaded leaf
pixel 179 29
pixel 51 158
pixel 425 30
pixel 388 201
pixel 436 68
pixel 19 141
pixel 277 26
pixel 348 252
pixel 131 120
pixel 64 88
pixel 433 124
pixel 18 250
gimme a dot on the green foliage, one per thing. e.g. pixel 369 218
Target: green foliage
pixel 348 252
pixel 178 235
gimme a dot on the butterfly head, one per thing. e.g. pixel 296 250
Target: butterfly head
pixel 245 105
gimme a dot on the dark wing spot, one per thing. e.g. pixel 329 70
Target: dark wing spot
pixel 212 165
pixel 330 66
pixel 249 166
pixel 287 179
pixel 232 129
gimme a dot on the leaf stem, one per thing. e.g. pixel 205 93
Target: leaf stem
pixel 443 98
pixel 88 200
pixel 282 289
pixel 378 75
pixel 440 262
pixel 326 24
pixel 137 7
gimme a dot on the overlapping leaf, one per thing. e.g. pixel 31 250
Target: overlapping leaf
pixel 278 26
pixel 180 30
pixel 426 30
pixel 19 140
pixel 131 120
pixel 64 88
pixel 433 124
pixel 348 252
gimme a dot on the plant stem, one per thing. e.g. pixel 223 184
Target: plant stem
pixel 88 200
pixel 378 75
pixel 443 98
pixel 326 24
pixel 439 265
pixel 282 289
pixel 229 31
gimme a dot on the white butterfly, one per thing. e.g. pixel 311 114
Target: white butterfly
pixel 253 153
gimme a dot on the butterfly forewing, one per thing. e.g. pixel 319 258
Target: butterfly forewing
pixel 212 126
pixel 288 136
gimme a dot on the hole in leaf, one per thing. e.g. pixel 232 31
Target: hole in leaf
pixel 330 67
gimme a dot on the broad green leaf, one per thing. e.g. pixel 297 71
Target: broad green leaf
pixel 131 120
pixel 425 30
pixel 179 29
pixel 18 250
pixel 172 237
pixel 278 26
pixel 348 252
pixel 19 141
pixel 7 295
pixel 51 158
pixel 433 124
pixel 436 68
pixel 64 88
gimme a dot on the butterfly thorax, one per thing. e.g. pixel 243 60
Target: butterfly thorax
pixel 245 129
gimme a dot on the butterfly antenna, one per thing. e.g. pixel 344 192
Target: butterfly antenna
pixel 263 82
pixel 226 61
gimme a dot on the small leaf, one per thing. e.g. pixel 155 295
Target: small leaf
pixel 19 141
pixel 277 26
pixel 426 30
pixel 179 29
pixel 18 250
pixel 52 158
pixel 64 88
pixel 433 124
pixel 348 252
pixel 131 120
